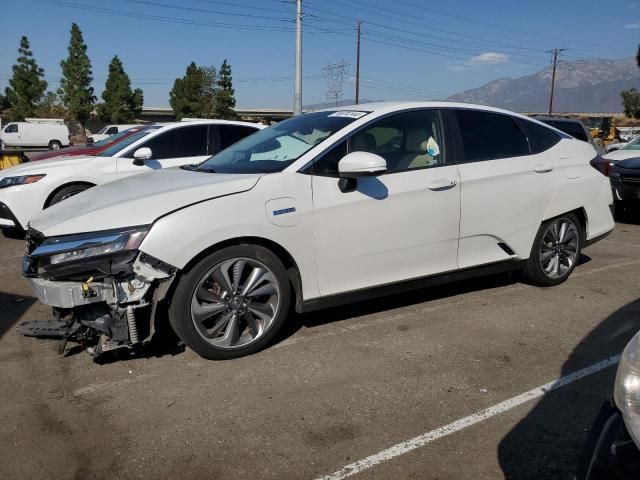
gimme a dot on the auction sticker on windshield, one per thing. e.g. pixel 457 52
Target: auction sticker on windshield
pixel 348 114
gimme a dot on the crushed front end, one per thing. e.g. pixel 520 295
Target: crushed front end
pixel 104 291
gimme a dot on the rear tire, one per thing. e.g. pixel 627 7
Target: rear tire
pixel 55 145
pixel 555 251
pixel 67 192
pixel 231 303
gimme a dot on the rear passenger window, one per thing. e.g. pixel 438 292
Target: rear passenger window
pixel 230 134
pixel 178 142
pixel 490 136
pixel 540 137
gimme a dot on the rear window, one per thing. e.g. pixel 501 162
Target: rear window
pixel 571 128
pixel 540 138
pixel 490 136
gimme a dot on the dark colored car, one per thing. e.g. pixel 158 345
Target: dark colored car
pixel 93 149
pixel 612 448
pixel 625 180
pixel 609 453
pixel 573 127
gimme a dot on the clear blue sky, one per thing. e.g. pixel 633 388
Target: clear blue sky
pixel 411 49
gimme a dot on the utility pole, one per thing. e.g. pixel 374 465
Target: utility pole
pixel 554 58
pixel 358 66
pixel 297 92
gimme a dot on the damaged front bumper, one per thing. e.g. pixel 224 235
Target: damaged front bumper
pixel 117 310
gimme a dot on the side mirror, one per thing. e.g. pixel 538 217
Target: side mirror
pixel 140 155
pixel 359 164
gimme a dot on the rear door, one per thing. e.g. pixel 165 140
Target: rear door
pixel 182 145
pixel 506 188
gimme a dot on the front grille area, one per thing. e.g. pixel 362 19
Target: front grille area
pixel 632 180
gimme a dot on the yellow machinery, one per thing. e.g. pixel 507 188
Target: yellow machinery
pixel 10 159
pixel 602 128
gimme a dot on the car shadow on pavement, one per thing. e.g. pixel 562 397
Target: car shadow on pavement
pixel 391 302
pixel 548 441
pixel 13 308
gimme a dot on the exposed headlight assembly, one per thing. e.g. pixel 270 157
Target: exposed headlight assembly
pixel 627 387
pixel 21 180
pixel 69 248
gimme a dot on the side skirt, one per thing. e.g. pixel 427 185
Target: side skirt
pixel 405 286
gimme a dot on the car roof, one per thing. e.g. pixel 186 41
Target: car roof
pixel 547 118
pixel 389 107
pixel 169 125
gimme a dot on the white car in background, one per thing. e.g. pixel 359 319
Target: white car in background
pixel 38 133
pixel 31 187
pixel 107 131
pixel 345 204
pixel 629 150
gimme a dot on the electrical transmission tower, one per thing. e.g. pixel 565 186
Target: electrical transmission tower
pixel 335 74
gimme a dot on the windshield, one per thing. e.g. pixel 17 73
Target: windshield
pixel 632 145
pixel 126 141
pixel 275 148
pixel 103 129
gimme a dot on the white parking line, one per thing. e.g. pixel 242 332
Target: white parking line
pixel 424 439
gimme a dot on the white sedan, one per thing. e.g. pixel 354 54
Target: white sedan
pixel 328 207
pixel 630 150
pixel 31 187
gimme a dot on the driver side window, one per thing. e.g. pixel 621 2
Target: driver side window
pixel 407 141
pixel 12 128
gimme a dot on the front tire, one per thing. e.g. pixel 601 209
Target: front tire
pixel 555 252
pixel 67 192
pixel 231 303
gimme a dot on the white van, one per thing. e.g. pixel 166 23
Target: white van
pixel 36 133
pixel 107 131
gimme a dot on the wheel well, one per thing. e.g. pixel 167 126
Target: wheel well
pixel 283 255
pixel 52 194
pixel 582 216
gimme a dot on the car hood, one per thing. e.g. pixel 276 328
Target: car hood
pixel 67 152
pixel 622 154
pixel 137 200
pixel 42 166
pixel 630 163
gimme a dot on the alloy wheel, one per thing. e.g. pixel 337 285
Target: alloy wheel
pixel 559 248
pixel 235 303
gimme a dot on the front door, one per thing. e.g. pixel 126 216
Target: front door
pixel 401 225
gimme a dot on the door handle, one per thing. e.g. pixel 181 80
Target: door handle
pixel 543 168
pixel 442 184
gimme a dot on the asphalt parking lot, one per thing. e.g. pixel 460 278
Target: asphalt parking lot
pixel 339 386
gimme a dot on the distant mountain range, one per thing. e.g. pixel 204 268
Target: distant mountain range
pixel 581 86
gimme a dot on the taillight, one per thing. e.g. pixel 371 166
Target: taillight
pixel 602 165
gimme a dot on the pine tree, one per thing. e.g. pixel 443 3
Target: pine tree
pixel 225 99
pixel 185 97
pixel 26 87
pixel 75 87
pixel 121 105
